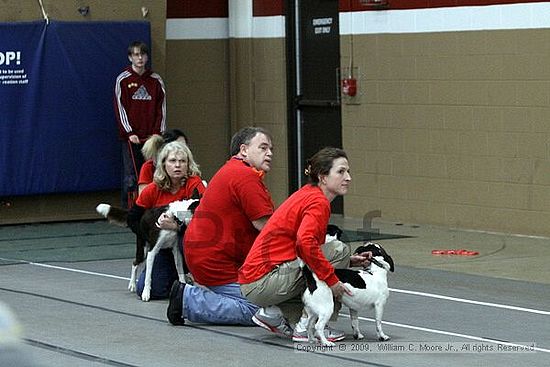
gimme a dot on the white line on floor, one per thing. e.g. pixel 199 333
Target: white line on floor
pixel 404 291
pixel 63 268
pixel 480 303
pixel 435 331
pixel 77 270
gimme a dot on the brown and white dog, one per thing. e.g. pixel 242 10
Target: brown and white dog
pixel 153 238
pixel 369 289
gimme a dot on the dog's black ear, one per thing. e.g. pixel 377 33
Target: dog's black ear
pixel 193 206
pixel 334 230
pixel 372 247
pixel 389 260
pixel 196 195
pixel 376 250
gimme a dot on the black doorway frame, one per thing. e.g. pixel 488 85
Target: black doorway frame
pixel 292 97
pixel 298 103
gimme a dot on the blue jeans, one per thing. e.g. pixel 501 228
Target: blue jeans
pixel 163 275
pixel 223 304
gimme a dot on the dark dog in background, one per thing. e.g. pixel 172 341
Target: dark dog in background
pixel 151 239
pixel 333 233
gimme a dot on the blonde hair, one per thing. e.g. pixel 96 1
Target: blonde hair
pixel 160 177
pixel 151 146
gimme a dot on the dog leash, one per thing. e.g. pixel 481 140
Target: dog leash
pixel 376 262
pixel 132 196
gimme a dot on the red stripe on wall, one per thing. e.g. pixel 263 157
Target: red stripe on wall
pixel 263 8
pixel 219 8
pixel 358 5
pixel 197 9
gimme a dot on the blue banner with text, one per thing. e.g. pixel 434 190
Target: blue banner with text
pixel 57 125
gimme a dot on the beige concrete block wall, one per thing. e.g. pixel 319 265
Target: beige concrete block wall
pixel 452 129
pixel 220 86
pixel 270 108
pixel 258 97
pixel 242 97
pixel 198 99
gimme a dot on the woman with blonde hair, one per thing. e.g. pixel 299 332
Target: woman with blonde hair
pixel 150 150
pixel 176 177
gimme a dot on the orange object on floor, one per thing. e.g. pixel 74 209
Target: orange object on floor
pixel 460 252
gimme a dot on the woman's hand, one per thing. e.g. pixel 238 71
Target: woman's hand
pixel 362 259
pixel 167 222
pixel 339 289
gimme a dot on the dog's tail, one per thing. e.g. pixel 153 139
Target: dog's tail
pixel 115 215
pixel 311 282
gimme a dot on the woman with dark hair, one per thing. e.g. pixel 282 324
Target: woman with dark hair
pixel 271 275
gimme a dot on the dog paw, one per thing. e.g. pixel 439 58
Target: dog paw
pixel 327 344
pixel 132 287
pixel 103 209
pixel 145 296
pixel 383 338
pixel 358 336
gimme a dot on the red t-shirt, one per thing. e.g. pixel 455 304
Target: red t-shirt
pixel 296 229
pixel 220 234
pixel 146 172
pixel 152 196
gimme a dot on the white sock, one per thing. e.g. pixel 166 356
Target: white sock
pixel 301 325
pixel 272 311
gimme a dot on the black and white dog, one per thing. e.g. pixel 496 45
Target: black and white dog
pixel 150 234
pixel 369 289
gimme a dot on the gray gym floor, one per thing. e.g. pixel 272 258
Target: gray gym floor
pixel 67 285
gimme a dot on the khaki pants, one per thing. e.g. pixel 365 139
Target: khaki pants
pixel 284 285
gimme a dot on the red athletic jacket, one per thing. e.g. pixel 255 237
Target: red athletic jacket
pixel 140 104
pixel 296 229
